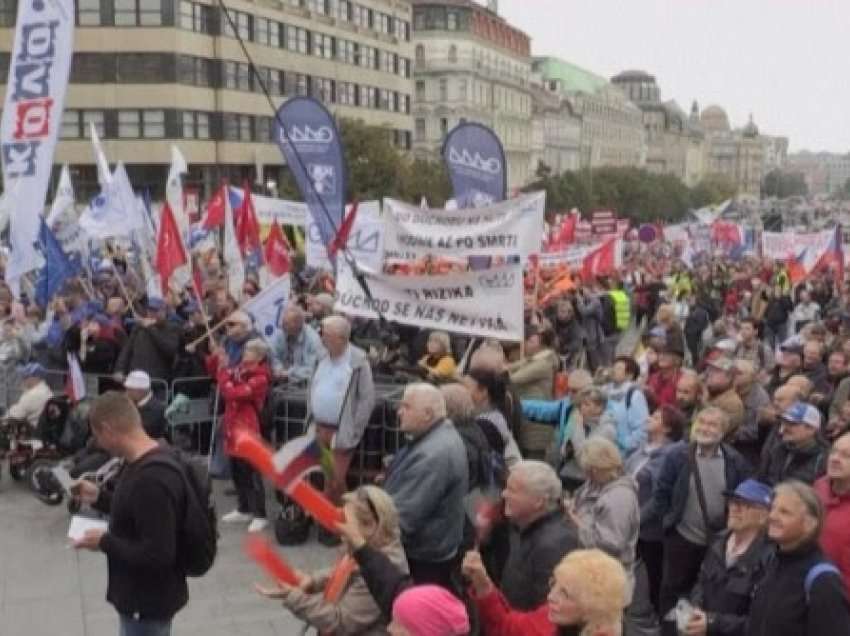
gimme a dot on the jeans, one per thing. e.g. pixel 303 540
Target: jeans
pixel 132 627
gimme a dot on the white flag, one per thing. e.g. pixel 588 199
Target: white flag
pixel 267 307
pixel 64 199
pixel 125 200
pixel 232 255
pixel 174 190
pixel 103 174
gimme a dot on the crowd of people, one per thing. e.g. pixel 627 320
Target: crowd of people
pixel 697 482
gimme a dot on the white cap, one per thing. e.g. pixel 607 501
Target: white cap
pixel 138 380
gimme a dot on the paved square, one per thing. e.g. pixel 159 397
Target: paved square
pixel 49 589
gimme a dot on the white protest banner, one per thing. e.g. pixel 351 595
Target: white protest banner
pixel 270 210
pixel 488 304
pixel 784 245
pixel 32 115
pixel 366 241
pixel 267 307
pixel 573 256
pixel 505 229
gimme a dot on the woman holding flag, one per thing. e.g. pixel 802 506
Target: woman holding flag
pixel 337 601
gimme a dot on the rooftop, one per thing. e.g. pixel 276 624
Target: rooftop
pixel 573 78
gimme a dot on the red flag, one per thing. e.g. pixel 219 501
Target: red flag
pixel 602 261
pixel 341 239
pixel 568 229
pixel 170 252
pixel 276 252
pixel 247 226
pixel 215 209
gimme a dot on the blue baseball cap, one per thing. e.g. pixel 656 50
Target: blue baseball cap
pixel 802 413
pixel 752 491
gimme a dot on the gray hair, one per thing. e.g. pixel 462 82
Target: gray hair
pixel 807 495
pixel 602 455
pixel 338 324
pixel 427 396
pixel 459 406
pixel 541 480
pixel 717 412
pixel 579 378
pixel 593 394
pixel 258 346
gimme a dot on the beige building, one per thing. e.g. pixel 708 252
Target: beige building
pixel 825 172
pixel 152 73
pixel 675 142
pixel 471 65
pixel 775 152
pixel 555 131
pixel 612 131
pixel 737 154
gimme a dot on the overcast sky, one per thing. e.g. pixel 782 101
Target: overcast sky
pixel 785 61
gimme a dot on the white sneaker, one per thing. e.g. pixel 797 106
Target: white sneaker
pixel 234 516
pixel 258 524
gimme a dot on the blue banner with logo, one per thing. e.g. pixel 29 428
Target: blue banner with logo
pixel 475 160
pixel 311 134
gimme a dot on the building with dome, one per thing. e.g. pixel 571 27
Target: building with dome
pixel 738 154
pixel 612 130
pixel 675 142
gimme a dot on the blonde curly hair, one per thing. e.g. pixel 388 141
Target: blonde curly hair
pixel 598 585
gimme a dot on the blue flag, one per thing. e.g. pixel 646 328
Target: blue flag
pixel 475 160
pixel 57 267
pixel 321 174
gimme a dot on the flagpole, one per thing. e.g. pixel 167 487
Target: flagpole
pixel 124 290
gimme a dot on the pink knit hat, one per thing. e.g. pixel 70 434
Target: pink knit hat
pixel 429 610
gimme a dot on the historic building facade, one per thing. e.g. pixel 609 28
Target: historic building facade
pixel 152 73
pixel 471 65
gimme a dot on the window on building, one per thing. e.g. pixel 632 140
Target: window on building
pixel 297 39
pixel 444 126
pixel 406 110
pixel 368 96
pixel 322 89
pixel 272 80
pixel 95 117
pixel 444 90
pixel 420 53
pixel 346 51
pixel 125 12
pixel 129 124
pixel 323 46
pixel 153 124
pixel 143 68
pixel 385 99
pixel 452 53
pixel 462 90
pixel 419 20
pixel 263 129
pixel 8 9
pixel 406 66
pixel 420 129
pixel 451 21
pixel 195 17
pixel 241 20
pixel 138 13
pixel 420 90
pixel 346 94
pixel 70 124
pixel 344 10
pixel 266 32
pixel 302 84
pixel 90 68
pixel 88 13
pixel 368 56
pixel 195 71
pixel 150 12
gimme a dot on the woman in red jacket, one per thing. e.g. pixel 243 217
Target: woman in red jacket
pixel 243 389
pixel 833 489
pixel 587 598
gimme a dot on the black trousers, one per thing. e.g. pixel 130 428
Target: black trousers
pixel 682 561
pixel 652 555
pixel 446 574
pixel 250 492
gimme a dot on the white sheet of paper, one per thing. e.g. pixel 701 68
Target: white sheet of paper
pixel 79 525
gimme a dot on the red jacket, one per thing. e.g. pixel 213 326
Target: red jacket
pixel 243 390
pixel 499 619
pixel 835 537
pixel 662 390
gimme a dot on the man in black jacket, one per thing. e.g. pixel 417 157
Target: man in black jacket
pixel 152 411
pixel 734 564
pixel 152 346
pixel 801 594
pixel 800 452
pixel 541 537
pixel 146 583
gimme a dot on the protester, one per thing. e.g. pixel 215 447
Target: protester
pixel 587 596
pixel 349 608
pixel 152 345
pixel 487 389
pixel 734 564
pixel 802 452
pixel 243 389
pixel 428 610
pixel 661 384
pixel 720 387
pixel 834 492
pixel 35 396
pixel 152 411
pixel 688 500
pixel 689 396
pixel 751 348
pixel 747 439
pixel 801 594
pixel 629 403
pixel 805 312
pixel 428 481
pixel 297 348
pixel 341 399
pixel 534 375
pixel 439 364
pixel 146 583
pixel 594 420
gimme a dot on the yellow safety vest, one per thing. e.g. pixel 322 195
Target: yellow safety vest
pixel 622 308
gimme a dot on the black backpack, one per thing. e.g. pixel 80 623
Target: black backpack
pixel 198 529
pixel 608 321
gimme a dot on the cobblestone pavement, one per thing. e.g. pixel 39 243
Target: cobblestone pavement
pixel 49 589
